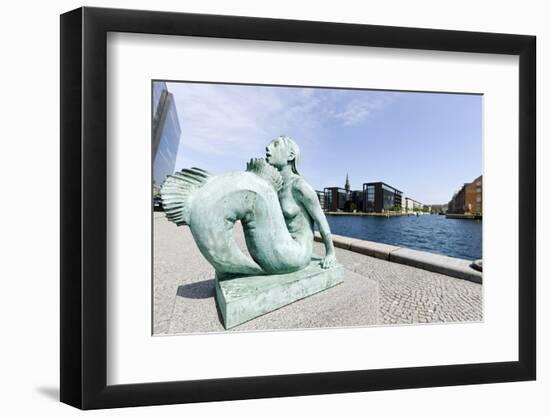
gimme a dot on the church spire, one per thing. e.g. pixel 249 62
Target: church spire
pixel 347 186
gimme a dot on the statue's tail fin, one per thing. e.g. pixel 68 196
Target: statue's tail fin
pixel 176 193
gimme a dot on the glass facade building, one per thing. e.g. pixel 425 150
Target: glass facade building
pixel 166 133
pixel 357 198
pixel 380 197
pixel 369 200
pixel 321 197
pixel 375 197
pixel 335 198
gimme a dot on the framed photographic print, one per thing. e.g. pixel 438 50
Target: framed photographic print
pixel 258 207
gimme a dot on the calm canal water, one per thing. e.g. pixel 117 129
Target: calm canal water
pixel 431 233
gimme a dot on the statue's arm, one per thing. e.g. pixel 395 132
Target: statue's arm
pixel 309 200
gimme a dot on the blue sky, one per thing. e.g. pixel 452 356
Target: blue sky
pixel 424 144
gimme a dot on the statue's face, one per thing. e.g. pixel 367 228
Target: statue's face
pixel 277 153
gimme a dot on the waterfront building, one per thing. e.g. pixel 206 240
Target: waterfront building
pixel 412 205
pixel 342 199
pixel 458 202
pixel 321 197
pixel 380 197
pixel 374 197
pixel 335 198
pixel 451 203
pixel 166 133
pixel 474 196
pixel 347 187
pixel 356 200
pixel 469 199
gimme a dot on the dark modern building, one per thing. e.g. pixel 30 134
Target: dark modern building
pixel 335 198
pixel 380 197
pixel 356 200
pixel 166 133
pixel 321 197
pixel 374 197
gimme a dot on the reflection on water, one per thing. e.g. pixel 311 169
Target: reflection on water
pixel 431 233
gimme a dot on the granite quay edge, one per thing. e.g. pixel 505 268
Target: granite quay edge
pixel 442 264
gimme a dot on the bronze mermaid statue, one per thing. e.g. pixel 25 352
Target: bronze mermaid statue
pixel 276 206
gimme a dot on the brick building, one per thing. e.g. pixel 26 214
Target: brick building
pixel 469 199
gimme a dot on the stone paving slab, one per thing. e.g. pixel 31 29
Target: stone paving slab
pixel 324 309
pixel 411 295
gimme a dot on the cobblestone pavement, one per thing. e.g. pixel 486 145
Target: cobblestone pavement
pixel 412 295
pixel 406 294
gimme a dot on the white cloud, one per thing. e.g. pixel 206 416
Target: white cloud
pixel 217 119
pixel 234 119
pixel 358 110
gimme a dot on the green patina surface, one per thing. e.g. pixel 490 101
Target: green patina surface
pixel 245 298
pixel 277 209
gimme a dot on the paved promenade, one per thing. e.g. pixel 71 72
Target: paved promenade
pixel 375 292
pixel 412 295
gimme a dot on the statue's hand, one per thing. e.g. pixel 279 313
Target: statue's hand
pixel 329 261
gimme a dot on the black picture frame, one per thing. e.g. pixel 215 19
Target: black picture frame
pixel 84 207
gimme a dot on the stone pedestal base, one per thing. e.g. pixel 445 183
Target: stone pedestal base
pixel 243 299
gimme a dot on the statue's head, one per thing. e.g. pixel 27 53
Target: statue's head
pixel 283 151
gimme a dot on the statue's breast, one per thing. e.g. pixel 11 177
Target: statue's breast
pixel 288 205
pixel 290 208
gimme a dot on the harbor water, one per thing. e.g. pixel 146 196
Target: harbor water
pixel 458 238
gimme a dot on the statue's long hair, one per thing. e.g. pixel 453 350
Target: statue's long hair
pixel 295 149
